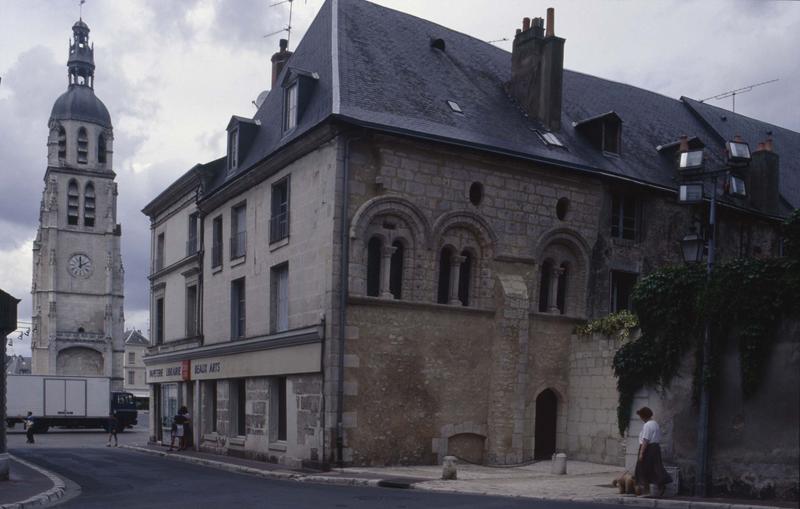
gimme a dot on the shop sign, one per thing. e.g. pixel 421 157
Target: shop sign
pixel 172 372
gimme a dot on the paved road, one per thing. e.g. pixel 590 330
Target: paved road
pixel 121 479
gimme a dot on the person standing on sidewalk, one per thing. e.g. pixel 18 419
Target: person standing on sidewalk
pixel 29 423
pixel 113 427
pixel 649 467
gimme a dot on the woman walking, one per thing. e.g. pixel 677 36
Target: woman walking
pixel 649 467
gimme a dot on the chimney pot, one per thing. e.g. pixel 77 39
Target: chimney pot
pixel 760 146
pixel 279 59
pixel 768 144
pixel 738 139
pixel 684 146
pixel 551 14
pixel 526 24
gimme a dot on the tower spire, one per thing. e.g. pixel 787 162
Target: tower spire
pixel 81 56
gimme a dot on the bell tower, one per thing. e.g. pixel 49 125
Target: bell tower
pixel 77 288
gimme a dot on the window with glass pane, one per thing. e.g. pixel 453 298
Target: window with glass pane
pixel 191 311
pixel 159 321
pixel 623 217
pixel 233 149
pixel 622 284
pixel 131 357
pixel 279 298
pixel 237 309
pixel 131 377
pixel 238 231
pixel 216 242
pixel 160 247
pixel 290 108
pixel 279 222
pixel 191 243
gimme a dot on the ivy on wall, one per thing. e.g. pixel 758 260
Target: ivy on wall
pixel 745 299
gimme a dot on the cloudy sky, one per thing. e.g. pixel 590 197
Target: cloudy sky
pixel 172 72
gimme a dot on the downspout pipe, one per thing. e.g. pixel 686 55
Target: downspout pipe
pixel 343 292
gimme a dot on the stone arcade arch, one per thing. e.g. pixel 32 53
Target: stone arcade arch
pixel 79 361
pixel 561 283
pixel 545 427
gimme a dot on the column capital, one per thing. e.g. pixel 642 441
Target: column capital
pixel 457 259
pixel 388 250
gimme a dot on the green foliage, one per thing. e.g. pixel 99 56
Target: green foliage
pixel 744 299
pixel 620 324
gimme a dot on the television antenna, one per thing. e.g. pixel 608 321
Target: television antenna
pixel 732 93
pixel 288 27
pixel 499 40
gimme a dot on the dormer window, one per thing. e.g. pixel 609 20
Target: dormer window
pixel 290 107
pixel 603 131
pixel 233 149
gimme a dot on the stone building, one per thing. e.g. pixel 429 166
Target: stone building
pixel 133 367
pixel 396 249
pixel 77 290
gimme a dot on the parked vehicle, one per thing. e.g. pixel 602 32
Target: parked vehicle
pixel 70 401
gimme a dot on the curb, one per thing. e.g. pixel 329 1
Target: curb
pixel 44 498
pixel 659 503
pixel 266 474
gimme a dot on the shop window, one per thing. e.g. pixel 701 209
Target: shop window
pixel 238 309
pixel 396 270
pixel 281 411
pixel 622 284
pixel 279 298
pixel 374 248
pixel 73 202
pixel 445 261
pixel 214 396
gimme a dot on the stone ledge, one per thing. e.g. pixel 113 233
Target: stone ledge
pixel 413 304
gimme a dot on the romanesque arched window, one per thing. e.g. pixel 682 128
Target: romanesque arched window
pixel 396 270
pixel 544 285
pixel 83 146
pixel 374 249
pixel 88 205
pixel 561 295
pixel 73 202
pixel 465 277
pixel 62 143
pixel 445 263
pixel 101 149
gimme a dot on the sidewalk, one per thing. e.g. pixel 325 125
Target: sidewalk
pixel 29 486
pixel 587 482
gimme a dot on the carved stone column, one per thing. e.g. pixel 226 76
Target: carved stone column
pixel 386 271
pixel 455 276
pixel 556 273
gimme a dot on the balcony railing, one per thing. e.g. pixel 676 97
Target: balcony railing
pixel 279 227
pixel 238 245
pixel 216 254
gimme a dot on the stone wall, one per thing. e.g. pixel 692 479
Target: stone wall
pixel 592 431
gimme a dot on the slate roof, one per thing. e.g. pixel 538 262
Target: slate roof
pixel 377 69
pixel 80 103
pixel 135 338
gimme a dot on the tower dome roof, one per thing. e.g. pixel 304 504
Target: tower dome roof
pixel 80 103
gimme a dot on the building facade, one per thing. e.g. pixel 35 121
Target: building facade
pixel 393 269
pixel 133 367
pixel 77 292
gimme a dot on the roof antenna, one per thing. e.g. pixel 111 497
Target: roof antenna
pixel 499 40
pixel 288 27
pixel 732 93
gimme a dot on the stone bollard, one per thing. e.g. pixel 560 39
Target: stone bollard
pixel 449 472
pixel 559 465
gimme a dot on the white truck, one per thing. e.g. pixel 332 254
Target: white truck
pixel 70 401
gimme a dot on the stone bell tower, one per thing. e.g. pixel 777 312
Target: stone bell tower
pixel 77 286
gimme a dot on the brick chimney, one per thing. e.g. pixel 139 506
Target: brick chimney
pixel 537 69
pixel 763 179
pixel 279 60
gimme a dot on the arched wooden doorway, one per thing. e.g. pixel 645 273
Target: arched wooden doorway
pixel 545 428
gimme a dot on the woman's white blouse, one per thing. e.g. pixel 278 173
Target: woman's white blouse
pixel 650 432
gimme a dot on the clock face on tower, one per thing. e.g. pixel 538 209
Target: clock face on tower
pixel 80 265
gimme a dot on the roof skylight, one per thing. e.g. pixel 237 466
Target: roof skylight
pixel 550 139
pixel 454 106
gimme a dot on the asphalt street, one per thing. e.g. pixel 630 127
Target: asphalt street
pixel 120 479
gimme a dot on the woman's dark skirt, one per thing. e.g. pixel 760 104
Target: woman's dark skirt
pixel 651 470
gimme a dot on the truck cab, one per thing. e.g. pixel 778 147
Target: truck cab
pixel 124 405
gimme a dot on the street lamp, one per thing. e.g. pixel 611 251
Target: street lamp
pixel 694 174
